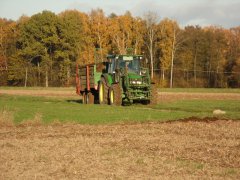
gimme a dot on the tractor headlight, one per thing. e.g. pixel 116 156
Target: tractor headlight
pixel 135 82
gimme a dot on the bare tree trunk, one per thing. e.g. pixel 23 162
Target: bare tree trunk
pixel 100 46
pixel 151 21
pixel 151 60
pixel 26 77
pixel 123 44
pixel 5 60
pixel 151 36
pixel 116 39
pixel 135 48
pixel 171 75
pixel 216 81
pixel 163 74
pixel 162 79
pixel 46 78
pixel 195 68
pixel 38 74
pixel 68 76
pixel 172 58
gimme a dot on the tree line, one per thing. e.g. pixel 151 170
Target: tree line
pixel 42 50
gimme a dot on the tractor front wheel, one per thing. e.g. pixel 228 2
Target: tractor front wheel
pixel 103 91
pixel 115 95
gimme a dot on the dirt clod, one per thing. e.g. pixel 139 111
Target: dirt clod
pixel 218 112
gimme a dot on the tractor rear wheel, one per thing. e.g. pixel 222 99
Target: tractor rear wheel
pixel 103 92
pixel 115 95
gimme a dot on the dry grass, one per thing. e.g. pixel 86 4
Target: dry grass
pixel 6 118
pixel 40 92
pixel 176 150
pixel 36 121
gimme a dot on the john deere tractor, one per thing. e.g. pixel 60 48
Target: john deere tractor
pixel 122 80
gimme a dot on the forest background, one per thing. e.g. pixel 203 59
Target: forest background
pixel 42 50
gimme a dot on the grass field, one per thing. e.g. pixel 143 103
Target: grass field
pixel 24 108
pixel 128 142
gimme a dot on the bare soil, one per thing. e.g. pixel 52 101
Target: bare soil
pixel 173 96
pixel 46 93
pixel 190 149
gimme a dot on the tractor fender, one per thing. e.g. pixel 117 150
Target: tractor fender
pixel 108 79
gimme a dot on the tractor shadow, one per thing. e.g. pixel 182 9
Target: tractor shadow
pixel 79 101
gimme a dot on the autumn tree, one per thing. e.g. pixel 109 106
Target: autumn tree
pixel 215 56
pixel 8 37
pixel 43 49
pixel 39 40
pixel 87 47
pixel 122 34
pixel 71 39
pixel 99 30
pixel 169 40
pixel 190 54
pixel 233 54
pixel 150 38
pixel 138 35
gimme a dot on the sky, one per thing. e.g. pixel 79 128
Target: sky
pixel 224 13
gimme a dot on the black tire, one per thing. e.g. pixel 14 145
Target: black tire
pixel 145 102
pixel 115 95
pixel 153 95
pixel 90 98
pixel 103 92
pixel 84 98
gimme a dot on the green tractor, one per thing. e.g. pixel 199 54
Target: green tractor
pixel 121 81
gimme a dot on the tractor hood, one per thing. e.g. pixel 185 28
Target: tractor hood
pixel 134 76
pixel 138 80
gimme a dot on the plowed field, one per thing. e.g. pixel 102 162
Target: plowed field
pixel 177 150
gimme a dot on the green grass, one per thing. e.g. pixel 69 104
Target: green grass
pixel 50 109
pixel 204 108
pixel 191 165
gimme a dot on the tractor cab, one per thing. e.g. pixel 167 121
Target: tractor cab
pixel 124 63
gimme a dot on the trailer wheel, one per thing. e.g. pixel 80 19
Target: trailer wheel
pixel 153 95
pixel 90 98
pixel 103 92
pixel 85 98
pixel 115 95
